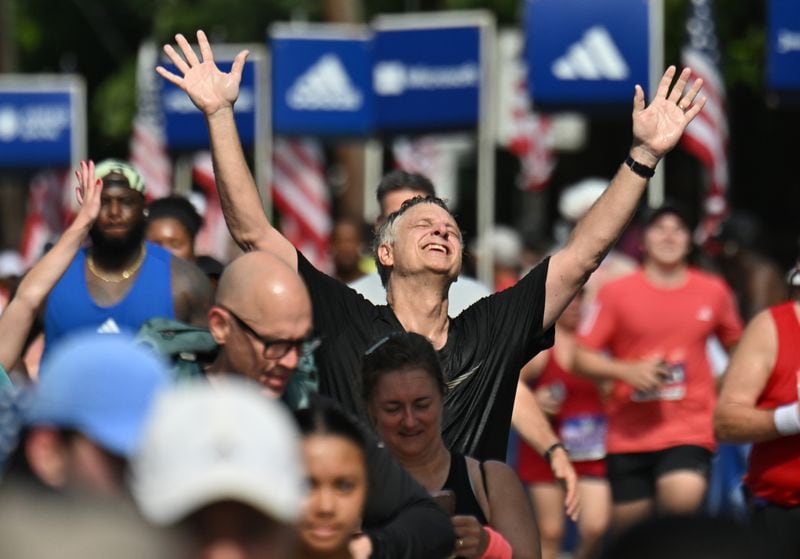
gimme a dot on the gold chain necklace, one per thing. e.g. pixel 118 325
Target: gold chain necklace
pixel 125 274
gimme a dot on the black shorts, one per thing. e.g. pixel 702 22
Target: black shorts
pixel 633 475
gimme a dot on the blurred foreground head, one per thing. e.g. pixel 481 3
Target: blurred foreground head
pixel 83 421
pixel 225 463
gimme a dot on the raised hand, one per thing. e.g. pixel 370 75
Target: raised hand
pixel 88 194
pixel 209 88
pixel 657 128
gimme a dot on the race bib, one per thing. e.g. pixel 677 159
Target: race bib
pixel 584 436
pixel 674 387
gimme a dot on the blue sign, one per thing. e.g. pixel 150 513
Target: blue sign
pixel 184 125
pixel 37 128
pixel 427 78
pixel 586 52
pixel 783 58
pixel 321 85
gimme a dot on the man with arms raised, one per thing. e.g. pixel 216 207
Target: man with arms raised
pixel 482 350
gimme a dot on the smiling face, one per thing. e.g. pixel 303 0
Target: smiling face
pixel 427 238
pixel 338 480
pixel 667 241
pixel 406 408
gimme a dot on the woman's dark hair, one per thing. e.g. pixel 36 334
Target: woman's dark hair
pixel 400 351
pixel 323 417
pixel 176 207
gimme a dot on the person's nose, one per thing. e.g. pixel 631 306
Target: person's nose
pixel 409 421
pixel 292 358
pixel 325 502
pixel 114 208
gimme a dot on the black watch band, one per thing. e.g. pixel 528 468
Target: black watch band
pixel 548 454
pixel 642 170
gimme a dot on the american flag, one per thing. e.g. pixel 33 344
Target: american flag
pixel 49 207
pixel 526 134
pixel 423 155
pixel 301 196
pixel 148 152
pixel 213 238
pixel 706 137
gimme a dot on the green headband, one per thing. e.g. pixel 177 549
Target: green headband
pixel 115 166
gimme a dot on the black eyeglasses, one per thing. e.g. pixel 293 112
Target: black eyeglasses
pixel 275 349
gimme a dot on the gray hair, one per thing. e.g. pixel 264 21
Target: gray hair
pixel 387 232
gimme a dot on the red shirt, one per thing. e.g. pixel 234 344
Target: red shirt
pixel 773 472
pixel 636 320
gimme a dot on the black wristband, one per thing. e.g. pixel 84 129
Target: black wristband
pixel 642 170
pixel 548 454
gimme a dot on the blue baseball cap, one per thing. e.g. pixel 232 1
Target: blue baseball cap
pixel 101 385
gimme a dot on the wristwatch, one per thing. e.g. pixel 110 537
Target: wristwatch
pixel 642 170
pixel 548 454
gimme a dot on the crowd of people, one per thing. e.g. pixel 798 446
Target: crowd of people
pixel 264 409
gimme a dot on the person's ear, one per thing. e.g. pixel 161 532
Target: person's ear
pixel 385 255
pixel 47 456
pixel 218 325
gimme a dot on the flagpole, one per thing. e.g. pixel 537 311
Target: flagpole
pixel 655 191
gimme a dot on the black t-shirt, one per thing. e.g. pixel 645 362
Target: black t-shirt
pixel 486 347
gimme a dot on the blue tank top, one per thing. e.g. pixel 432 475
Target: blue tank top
pixel 70 307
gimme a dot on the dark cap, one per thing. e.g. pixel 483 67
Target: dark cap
pixel 670 207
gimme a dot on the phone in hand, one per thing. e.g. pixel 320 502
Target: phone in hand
pixel 446 499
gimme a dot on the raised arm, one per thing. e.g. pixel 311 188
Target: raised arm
pixel 737 419
pixel 214 92
pixel 656 130
pixel 16 320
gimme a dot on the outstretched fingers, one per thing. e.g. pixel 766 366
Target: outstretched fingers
pixel 689 96
pixel 680 86
pixel 205 47
pixel 638 98
pixel 238 65
pixel 696 108
pixel 187 50
pixel 666 80
pixel 169 76
pixel 176 59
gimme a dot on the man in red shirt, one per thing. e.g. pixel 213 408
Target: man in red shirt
pixel 758 403
pixel 647 333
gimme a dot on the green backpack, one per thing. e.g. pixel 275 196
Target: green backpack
pixel 190 348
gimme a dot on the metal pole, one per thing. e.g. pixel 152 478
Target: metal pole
pixel 655 191
pixel 262 148
pixel 487 115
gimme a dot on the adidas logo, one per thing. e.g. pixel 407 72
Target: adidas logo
pixel 108 327
pixel 593 57
pixel 325 86
pixel 705 314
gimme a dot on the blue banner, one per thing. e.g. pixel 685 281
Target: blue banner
pixel 582 53
pixel 783 50
pixel 427 79
pixel 184 125
pixel 37 127
pixel 321 85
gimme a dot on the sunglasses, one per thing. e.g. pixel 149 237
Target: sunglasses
pixel 276 349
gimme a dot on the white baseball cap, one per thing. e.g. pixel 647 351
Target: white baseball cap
pixel 206 443
pixel 576 199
